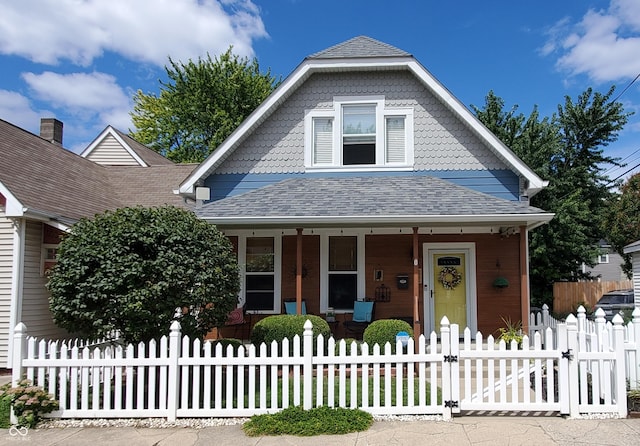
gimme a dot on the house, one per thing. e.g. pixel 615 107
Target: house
pixel 634 250
pixel 44 190
pixel 608 266
pixel 362 177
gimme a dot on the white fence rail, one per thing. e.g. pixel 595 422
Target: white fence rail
pixel 566 370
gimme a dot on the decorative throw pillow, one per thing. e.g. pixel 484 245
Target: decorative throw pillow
pixel 235 317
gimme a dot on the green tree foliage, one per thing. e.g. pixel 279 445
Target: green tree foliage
pixel 136 270
pixel 200 105
pixel 567 149
pixel 622 224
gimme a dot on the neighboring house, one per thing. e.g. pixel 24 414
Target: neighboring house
pixel 361 176
pixel 634 250
pixel 608 266
pixel 44 190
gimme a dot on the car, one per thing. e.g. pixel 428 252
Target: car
pixel 614 302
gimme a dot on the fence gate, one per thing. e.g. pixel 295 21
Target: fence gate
pixel 578 375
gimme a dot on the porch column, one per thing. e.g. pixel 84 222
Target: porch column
pixel 524 278
pixel 299 271
pixel 417 330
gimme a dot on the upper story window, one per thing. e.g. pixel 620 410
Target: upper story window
pixel 359 133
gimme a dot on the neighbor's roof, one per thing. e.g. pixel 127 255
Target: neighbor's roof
pixel 143 155
pixel 359 53
pixel 368 201
pixel 632 247
pixel 42 180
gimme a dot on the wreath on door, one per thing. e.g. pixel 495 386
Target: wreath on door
pixel 449 277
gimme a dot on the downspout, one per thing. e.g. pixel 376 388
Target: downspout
pixel 17 270
pixel 524 278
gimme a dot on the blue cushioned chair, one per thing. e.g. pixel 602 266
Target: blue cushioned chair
pixel 362 317
pixel 290 307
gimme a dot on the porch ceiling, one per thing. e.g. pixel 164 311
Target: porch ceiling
pixel 368 201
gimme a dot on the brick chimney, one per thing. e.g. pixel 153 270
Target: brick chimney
pixel 51 130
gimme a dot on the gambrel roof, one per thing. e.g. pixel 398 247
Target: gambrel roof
pixel 361 54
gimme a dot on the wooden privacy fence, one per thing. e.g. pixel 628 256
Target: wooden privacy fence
pixel 567 296
pixel 554 371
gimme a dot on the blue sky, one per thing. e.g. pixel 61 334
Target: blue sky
pixel 82 61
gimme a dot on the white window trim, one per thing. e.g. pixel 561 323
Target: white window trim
pixel 43 256
pixel 603 259
pixel 381 114
pixel 324 266
pixel 277 266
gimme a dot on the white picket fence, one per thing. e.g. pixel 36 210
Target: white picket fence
pixel 177 377
pixel 599 330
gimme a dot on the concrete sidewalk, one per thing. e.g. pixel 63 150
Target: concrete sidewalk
pixel 465 430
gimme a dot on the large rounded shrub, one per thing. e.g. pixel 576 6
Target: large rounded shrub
pixel 385 330
pixel 278 327
pixel 135 270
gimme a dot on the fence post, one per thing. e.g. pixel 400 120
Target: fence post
pixel 19 353
pixel 620 372
pixel 600 326
pixel 307 366
pixel 573 351
pixel 445 340
pixel 582 319
pixel 636 340
pixel 563 369
pixel 545 316
pixel 173 391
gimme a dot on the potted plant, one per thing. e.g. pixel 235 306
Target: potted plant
pixel 511 332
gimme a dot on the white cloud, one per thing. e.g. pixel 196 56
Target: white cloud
pixel 604 45
pixel 18 110
pixel 53 31
pixel 87 96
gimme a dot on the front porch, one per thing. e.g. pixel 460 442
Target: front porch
pixel 390 269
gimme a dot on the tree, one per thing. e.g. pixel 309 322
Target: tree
pixel 136 270
pixel 200 105
pixel 567 150
pixel 622 224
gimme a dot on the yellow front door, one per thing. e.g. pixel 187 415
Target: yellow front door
pixel 449 288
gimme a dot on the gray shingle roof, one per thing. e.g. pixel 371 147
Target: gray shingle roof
pixel 411 197
pixel 48 179
pixel 361 46
pixel 149 156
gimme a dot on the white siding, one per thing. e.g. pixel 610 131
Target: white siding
pixel 6 259
pixel 110 152
pixel 35 297
pixel 635 258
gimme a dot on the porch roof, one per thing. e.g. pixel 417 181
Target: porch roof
pixel 368 201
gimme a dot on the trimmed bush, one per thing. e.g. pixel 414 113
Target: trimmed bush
pixel 278 327
pixel 383 331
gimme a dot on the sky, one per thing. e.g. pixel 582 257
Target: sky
pixel 81 61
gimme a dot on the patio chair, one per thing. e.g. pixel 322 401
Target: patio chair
pixel 290 307
pixel 362 317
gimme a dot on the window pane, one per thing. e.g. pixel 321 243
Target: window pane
pixel 259 292
pixel 342 291
pixel 322 141
pixel 343 253
pixel 260 254
pixel 359 119
pixel 395 140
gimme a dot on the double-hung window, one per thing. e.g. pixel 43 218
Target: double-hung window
pixel 359 133
pixel 260 274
